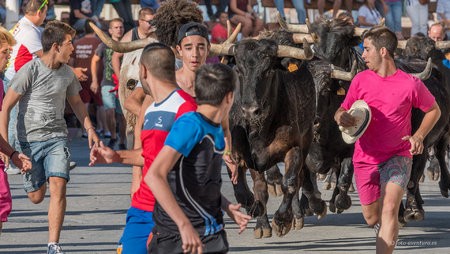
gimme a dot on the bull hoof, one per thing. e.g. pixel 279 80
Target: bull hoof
pixel 401 222
pixel 351 188
pixel 422 179
pixel 319 208
pixel 326 186
pixel 343 202
pixel 444 189
pixel 259 233
pixel 437 174
pixel 282 229
pixel 414 215
pixel 298 223
pixel 332 207
pixel 257 209
pixel 339 211
pixel 322 214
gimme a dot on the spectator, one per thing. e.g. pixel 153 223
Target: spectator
pixel 81 57
pixel 220 8
pixel 80 11
pixel 103 53
pixel 219 32
pixel 437 32
pixel 443 13
pixel 336 6
pixel 241 11
pixel 394 17
pixel 123 9
pixel 299 7
pixel 418 13
pixel 143 30
pixel 154 4
pixel 368 15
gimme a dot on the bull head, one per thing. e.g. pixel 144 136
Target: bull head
pixel 121 47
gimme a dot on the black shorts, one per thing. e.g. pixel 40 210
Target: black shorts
pixel 164 243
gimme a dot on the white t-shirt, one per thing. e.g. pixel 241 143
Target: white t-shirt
pixel 28 37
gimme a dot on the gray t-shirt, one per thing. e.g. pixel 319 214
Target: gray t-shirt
pixel 41 107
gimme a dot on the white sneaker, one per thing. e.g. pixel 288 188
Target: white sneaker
pixel 72 165
pixel 12 170
pixel 54 249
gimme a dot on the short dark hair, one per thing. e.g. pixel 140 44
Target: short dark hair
pixel 382 37
pixel 145 11
pixel 192 28
pixel 213 82
pixel 159 60
pixel 55 32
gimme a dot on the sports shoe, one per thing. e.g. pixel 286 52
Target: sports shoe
pixel 84 135
pixel 72 165
pixel 112 143
pixel 107 134
pixel 54 249
pixel 12 170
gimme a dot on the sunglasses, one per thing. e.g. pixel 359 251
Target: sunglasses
pixel 43 4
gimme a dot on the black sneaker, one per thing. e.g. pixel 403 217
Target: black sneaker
pixel 112 143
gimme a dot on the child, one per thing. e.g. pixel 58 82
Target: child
pixel 6 151
pixel 187 173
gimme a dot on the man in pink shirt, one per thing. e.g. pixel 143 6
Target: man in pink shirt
pixel 383 155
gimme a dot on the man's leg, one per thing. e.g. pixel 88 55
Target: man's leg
pixel 371 213
pixel 56 208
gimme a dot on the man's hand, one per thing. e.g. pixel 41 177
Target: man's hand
pixel 102 154
pixel 344 119
pixel 191 240
pixel 416 144
pixel 21 161
pixel 93 139
pixel 239 217
pixel 232 165
pixel 94 87
pixel 80 73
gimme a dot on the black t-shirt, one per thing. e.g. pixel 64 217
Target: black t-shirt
pixel 85 7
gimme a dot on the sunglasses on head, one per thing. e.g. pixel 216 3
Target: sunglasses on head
pixel 43 4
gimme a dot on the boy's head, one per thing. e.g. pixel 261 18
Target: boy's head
pixel 213 82
pixel 6 42
pixel 159 60
pixel 57 37
pixel 193 45
pixel 116 29
pixel 382 37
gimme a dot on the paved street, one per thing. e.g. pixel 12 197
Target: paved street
pixel 98 198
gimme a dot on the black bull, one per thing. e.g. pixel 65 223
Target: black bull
pixel 270 122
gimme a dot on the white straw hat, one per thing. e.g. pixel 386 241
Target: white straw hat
pixel 362 114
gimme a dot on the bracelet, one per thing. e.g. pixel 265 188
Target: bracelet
pixel 12 154
pixel 227 152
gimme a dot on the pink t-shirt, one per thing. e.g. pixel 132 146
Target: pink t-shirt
pixel 390 100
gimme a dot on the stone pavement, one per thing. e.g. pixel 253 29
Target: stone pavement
pixel 98 198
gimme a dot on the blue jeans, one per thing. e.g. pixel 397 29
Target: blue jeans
pixel 299 7
pixel 50 158
pixel 394 16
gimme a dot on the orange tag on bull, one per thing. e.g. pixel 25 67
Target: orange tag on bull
pixel 341 91
pixel 292 67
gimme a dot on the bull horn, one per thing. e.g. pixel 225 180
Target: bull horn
pixel 401 44
pixel 359 31
pixel 343 75
pixel 121 47
pixel 425 74
pixel 298 28
pixel 232 36
pixel 443 44
pixel 297 53
pixel 222 49
pixel 298 38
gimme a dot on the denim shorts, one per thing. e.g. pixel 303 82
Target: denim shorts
pixel 49 158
